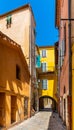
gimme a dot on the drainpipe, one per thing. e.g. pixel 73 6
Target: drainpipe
pixel 70 67
pixel 30 91
pixel 70 53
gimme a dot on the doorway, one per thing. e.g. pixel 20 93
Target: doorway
pixel 64 111
pixel 13 108
pixel 2 109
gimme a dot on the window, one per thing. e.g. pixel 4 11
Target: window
pixel 44 84
pixel 25 106
pixel 64 89
pixel 38 62
pixel 43 66
pixel 64 39
pixel 62 52
pixel 9 21
pixel 34 32
pixel 18 74
pixel 43 53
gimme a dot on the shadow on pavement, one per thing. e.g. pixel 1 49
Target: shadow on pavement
pixel 55 123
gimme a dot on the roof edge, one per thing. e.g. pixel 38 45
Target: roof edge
pixel 14 44
pixel 46 46
pixel 17 9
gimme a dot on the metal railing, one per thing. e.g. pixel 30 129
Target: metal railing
pixel 48 69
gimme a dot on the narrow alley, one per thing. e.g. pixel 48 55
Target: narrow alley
pixel 43 120
pixel 36 65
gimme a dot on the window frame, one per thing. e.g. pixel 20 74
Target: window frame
pixel 44 84
pixel 65 39
pixel 18 72
pixel 44 70
pixel 44 53
pixel 9 21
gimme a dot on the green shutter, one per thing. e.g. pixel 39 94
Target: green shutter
pixel 9 19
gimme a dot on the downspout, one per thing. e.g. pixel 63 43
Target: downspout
pixel 70 68
pixel 30 90
pixel 70 53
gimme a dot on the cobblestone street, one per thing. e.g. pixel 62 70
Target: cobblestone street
pixel 43 120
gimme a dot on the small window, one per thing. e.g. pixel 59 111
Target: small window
pixel 25 106
pixel 65 39
pixel 43 53
pixel 9 21
pixel 64 89
pixel 38 62
pixel 34 32
pixel 18 73
pixel 44 84
pixel 43 66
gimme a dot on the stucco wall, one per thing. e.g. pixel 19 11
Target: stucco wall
pixel 9 85
pixel 64 68
pixel 51 78
pixel 72 22
pixel 73 87
pixel 64 76
pixel 9 58
pixel 20 30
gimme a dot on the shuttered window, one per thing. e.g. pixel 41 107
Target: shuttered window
pixel 61 55
pixel 65 39
pixel 44 84
pixel 43 66
pixel 62 51
pixel 43 53
pixel 9 21
pixel 38 61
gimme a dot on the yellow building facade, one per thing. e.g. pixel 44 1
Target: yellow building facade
pixel 14 83
pixel 48 75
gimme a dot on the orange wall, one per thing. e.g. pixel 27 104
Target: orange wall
pixel 9 85
pixel 9 58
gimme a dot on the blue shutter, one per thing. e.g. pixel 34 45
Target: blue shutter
pixel 38 61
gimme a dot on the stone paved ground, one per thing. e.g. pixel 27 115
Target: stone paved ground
pixel 55 123
pixel 43 120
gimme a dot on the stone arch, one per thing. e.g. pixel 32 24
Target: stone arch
pixel 41 102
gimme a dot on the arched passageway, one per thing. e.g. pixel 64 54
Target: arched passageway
pixel 47 102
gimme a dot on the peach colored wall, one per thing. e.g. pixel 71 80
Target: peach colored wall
pixel 64 77
pixel 22 32
pixel 20 28
pixel 73 87
pixel 72 41
pixel 64 70
pixel 72 22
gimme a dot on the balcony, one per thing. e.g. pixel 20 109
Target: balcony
pixel 47 70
